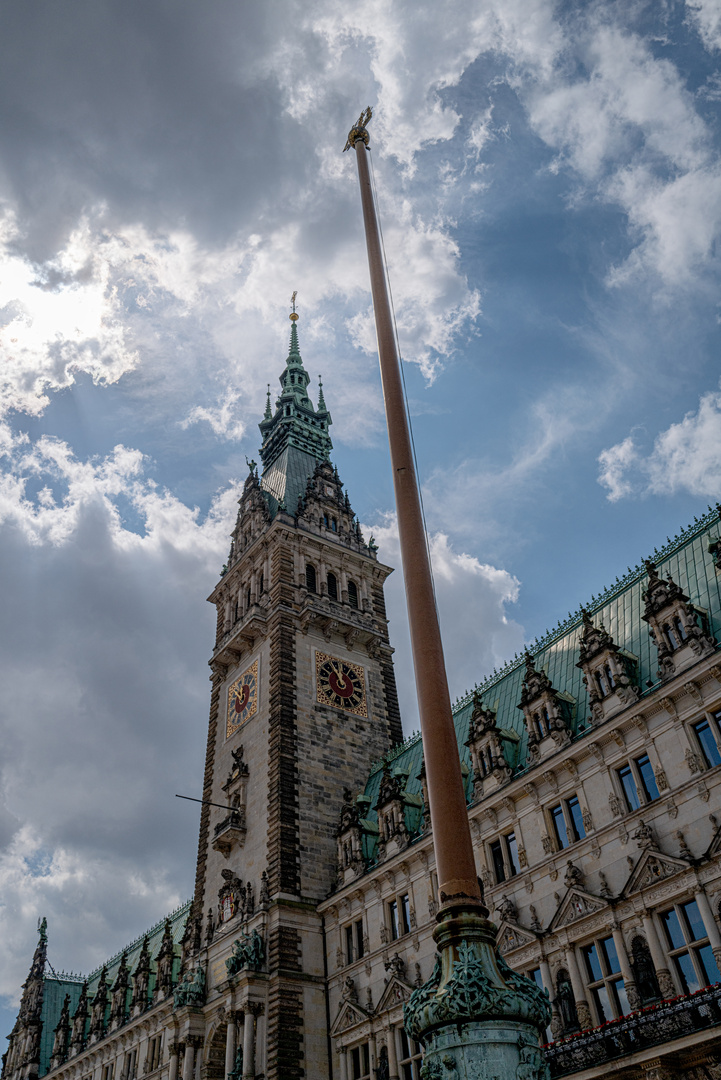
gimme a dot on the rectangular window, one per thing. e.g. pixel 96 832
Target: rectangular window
pixel 607 988
pixel 360 1062
pixel 512 852
pixel 411 1058
pixel 349 957
pixel 499 867
pixel 575 818
pixel 108 1071
pixel 708 744
pixel 129 1065
pixel 628 783
pixel 154 1049
pixel 559 826
pixel 689 947
pixel 648 780
pixel 399 912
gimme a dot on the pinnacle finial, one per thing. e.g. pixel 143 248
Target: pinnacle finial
pixel 294 316
pixel 268 415
pixel 359 130
pixel 321 399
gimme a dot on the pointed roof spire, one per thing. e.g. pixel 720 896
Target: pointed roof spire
pixel 267 415
pixel 321 399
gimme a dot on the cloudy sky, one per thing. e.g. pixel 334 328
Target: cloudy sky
pixel 549 177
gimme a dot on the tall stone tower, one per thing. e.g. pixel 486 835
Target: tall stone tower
pixel 303 699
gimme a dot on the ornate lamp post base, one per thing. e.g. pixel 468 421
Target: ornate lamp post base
pixel 475 1017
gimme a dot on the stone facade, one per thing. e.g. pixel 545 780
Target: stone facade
pixel 593 778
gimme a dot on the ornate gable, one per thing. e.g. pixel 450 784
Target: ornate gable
pixel 546 711
pixel 511 937
pixel 490 768
pixel 395 993
pixel 653 866
pixel 575 905
pixel 609 672
pixel 673 624
pixel 349 1014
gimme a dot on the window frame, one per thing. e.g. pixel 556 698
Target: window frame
pixel 353 596
pixel 712 719
pixel 363 1059
pixel 330 576
pixel 409 1055
pixel 690 948
pixel 353 941
pixel 398 913
pixel 643 796
pixel 505 862
pixel 562 811
pixel 607 983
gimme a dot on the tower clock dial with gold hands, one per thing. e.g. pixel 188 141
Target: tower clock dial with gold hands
pixel 340 684
pixel 242 699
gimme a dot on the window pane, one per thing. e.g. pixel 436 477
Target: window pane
pixel 609 951
pixel 708 744
pixel 592 962
pixel 620 991
pixel 629 787
pixel 603 1005
pixel 574 808
pixel 512 848
pixel 648 780
pixel 708 965
pixel 359 951
pixel 694 922
pixel 535 975
pixel 349 944
pixel 559 824
pixel 393 912
pixel 406 912
pixel 498 865
pixel 689 979
pixel 405 1045
pixel 673 929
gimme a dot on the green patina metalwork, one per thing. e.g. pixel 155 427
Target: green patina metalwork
pixel 295 437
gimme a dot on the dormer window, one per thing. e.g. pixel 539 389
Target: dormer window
pixel 326 521
pixel 334 525
pixel 675 633
pixel 542 723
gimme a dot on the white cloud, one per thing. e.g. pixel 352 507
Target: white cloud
pixel 707 16
pixel 473 600
pixel 686 457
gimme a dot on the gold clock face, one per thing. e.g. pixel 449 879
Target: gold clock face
pixel 340 684
pixel 242 699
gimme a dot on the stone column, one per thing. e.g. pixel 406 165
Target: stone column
pixel 634 999
pixel 579 990
pixel 372 1052
pixel 343 1058
pixel 188 1060
pixel 260 1041
pixel 392 1054
pixel 248 1045
pixel 712 930
pixel 322 581
pixel 173 1068
pixel 230 1045
pixel 665 982
pixel 547 980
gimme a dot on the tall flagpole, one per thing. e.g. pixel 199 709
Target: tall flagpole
pixel 439 1014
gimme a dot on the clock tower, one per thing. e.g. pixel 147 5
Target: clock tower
pixel 303 700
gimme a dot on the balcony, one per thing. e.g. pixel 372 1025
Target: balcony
pixel 630 1034
pixel 229 832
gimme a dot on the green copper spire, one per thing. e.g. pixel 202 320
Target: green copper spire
pixel 295 437
pixel 321 399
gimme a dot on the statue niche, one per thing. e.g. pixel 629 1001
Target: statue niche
pixel 231 831
pixel 678 629
pixel 349 838
pixel 609 672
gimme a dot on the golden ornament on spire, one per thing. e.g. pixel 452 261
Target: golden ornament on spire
pixel 359 130
pixel 294 316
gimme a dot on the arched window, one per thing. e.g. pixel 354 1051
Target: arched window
pixel 310 577
pixel 353 594
pixel 332 587
pixel 671 637
pixel 679 629
pixel 325 521
pixel 601 683
pixel 261 584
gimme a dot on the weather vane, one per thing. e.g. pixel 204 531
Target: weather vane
pixel 358 131
pixel 294 314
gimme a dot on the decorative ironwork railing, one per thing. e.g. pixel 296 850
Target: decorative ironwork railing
pixel 652 1026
